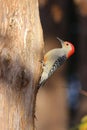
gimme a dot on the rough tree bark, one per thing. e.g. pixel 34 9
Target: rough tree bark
pixel 21 49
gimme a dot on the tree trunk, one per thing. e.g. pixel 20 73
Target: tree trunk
pixel 21 49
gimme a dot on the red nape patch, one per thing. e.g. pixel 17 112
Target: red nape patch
pixel 71 52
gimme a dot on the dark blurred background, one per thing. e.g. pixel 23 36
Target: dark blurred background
pixel 62 102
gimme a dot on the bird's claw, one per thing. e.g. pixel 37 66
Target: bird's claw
pixel 35 117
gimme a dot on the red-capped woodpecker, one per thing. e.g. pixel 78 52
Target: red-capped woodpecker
pixel 55 58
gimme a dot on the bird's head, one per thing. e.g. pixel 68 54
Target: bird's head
pixel 68 47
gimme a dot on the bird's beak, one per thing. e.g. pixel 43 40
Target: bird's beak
pixel 61 41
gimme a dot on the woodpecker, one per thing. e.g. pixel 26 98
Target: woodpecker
pixel 54 58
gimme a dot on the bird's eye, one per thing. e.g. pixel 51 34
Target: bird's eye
pixel 67 44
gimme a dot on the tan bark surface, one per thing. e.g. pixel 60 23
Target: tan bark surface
pixel 21 49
